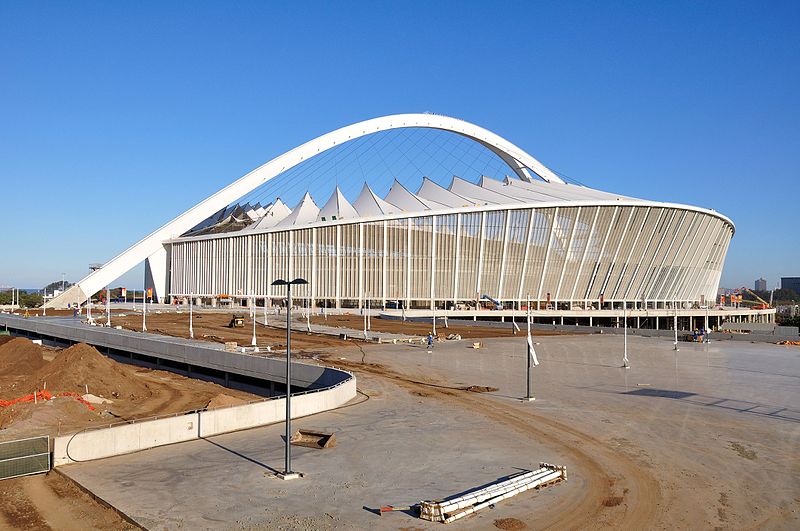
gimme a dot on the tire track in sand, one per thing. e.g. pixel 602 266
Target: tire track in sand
pixel 603 468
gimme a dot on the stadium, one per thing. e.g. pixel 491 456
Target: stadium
pixel 483 222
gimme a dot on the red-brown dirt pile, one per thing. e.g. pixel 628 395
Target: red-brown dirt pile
pixel 20 356
pixel 73 368
pixel 5 339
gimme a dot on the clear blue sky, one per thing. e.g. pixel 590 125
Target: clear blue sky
pixel 117 116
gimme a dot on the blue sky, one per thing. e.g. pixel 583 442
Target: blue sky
pixel 115 117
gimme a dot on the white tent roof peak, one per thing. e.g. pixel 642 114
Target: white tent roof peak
pixel 369 204
pixel 400 196
pixel 305 212
pixel 337 207
pixel 480 194
pixel 434 192
pixel 274 213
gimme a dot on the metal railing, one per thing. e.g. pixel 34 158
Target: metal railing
pixel 24 457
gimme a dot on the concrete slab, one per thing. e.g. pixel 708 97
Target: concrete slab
pixel 706 437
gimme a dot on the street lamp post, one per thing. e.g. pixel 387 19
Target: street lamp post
pixel 253 316
pixel 287 472
pixel 191 328
pixel 625 363
pixel 675 348
pixel 531 357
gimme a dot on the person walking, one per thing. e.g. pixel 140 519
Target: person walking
pixel 430 342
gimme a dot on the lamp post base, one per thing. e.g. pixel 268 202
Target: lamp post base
pixel 528 399
pixel 290 475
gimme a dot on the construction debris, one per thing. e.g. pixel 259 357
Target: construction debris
pixel 313 439
pixel 392 508
pixel 452 509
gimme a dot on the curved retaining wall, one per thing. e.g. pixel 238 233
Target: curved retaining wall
pixel 127 438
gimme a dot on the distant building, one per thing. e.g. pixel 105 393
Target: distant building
pixel 761 284
pixel 792 283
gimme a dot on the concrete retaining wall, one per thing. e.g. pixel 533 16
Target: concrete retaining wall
pixel 236 418
pixel 127 438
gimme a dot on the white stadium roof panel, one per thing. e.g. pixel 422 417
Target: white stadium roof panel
pixel 273 214
pixel 433 192
pixel 304 213
pixel 368 204
pixel 479 194
pixel 408 202
pixel 337 207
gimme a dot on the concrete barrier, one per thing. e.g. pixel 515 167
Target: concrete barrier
pixel 98 443
pixel 224 420
pixel 123 439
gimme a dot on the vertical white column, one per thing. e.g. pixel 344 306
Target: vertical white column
pixel 338 266
pixel 384 261
pixel 567 252
pixel 589 241
pixel 408 264
pixel 433 263
pixel 270 270
pixel 249 265
pixel 480 255
pixel 525 259
pixel 547 254
pixel 314 289
pixel 457 261
pixel 361 298
pixel 503 256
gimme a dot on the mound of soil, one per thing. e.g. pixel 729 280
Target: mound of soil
pixel 223 400
pixel 80 365
pixel 20 356
pixel 5 339
pixel 60 411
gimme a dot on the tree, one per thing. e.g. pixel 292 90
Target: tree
pixel 57 285
pixel 785 296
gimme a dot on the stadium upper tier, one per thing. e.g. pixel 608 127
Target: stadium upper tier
pixel 430 196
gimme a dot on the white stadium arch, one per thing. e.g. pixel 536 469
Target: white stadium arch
pixel 152 249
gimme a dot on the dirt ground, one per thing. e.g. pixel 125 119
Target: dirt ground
pixel 210 326
pixel 214 327
pixel 53 502
pixel 416 328
pixel 120 392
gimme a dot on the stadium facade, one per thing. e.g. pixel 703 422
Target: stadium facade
pixel 530 236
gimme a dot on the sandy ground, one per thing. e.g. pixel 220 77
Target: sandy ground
pixel 705 438
pixel 418 328
pixel 213 327
pixel 53 502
